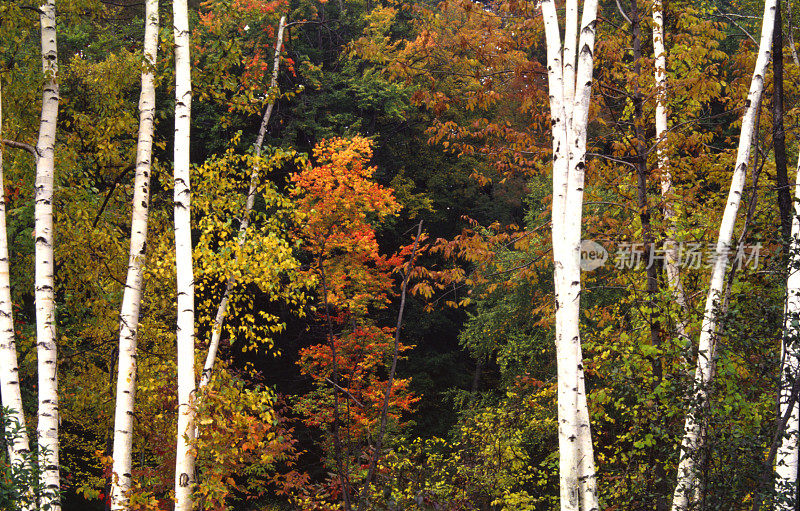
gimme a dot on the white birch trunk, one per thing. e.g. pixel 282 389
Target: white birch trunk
pixel 219 319
pixel 786 458
pixel 694 433
pixel 47 428
pixel 131 300
pixel 570 93
pixel 670 216
pixel 10 392
pixel 184 461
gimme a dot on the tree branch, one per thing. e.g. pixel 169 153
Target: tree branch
pixel 21 145
pixel 345 392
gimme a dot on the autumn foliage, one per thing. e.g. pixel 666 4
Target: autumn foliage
pixel 341 207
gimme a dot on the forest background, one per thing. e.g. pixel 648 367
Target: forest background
pixel 401 214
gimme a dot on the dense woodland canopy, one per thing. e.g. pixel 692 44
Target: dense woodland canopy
pixel 327 255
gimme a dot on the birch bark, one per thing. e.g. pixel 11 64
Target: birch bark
pixel 244 222
pixel 694 432
pixel 570 92
pixel 10 392
pixel 786 460
pixel 184 460
pixel 131 300
pixel 668 208
pixel 47 428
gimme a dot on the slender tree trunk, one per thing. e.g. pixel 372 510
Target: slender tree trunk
pixel 16 434
pixel 47 428
pixel 694 432
pixel 344 479
pixel 244 221
pixel 640 163
pixel 184 460
pixel 570 93
pixel 131 300
pixel 668 209
pixel 641 176
pixel 376 454
pixel 786 461
pixel 778 133
pixel 476 378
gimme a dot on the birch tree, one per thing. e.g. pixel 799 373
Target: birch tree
pixel 47 428
pixel 786 460
pixel 694 427
pixel 662 161
pixel 16 434
pixel 131 300
pixel 184 460
pixel 570 88
pixel 244 221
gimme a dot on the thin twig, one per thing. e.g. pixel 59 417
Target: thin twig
pixel 345 391
pixel 728 17
pixel 114 185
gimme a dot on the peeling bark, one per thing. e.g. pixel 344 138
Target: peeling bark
pixel 570 94
pixel 44 295
pixel 16 434
pixel 184 459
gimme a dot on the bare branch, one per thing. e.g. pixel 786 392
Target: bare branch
pixel 733 22
pixel 21 145
pixel 345 391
